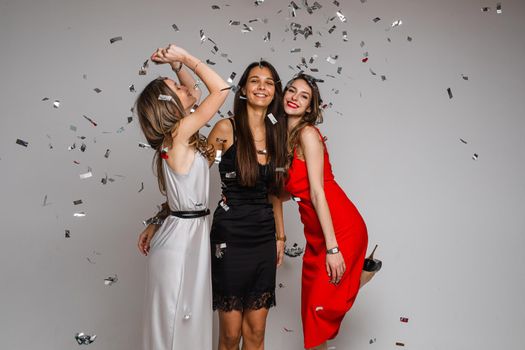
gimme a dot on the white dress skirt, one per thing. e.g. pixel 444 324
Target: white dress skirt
pixel 178 305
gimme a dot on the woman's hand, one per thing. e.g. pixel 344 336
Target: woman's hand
pixel 169 54
pixel 280 252
pixel 335 267
pixel 145 238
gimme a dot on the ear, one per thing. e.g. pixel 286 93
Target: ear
pixel 243 92
pixel 308 110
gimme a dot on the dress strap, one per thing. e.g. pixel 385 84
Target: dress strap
pixel 234 131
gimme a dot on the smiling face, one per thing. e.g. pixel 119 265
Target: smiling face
pixel 260 87
pixel 297 98
pixel 186 98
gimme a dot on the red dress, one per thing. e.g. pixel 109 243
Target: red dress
pixel 323 305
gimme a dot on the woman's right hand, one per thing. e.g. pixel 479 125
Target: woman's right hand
pixel 169 54
pixel 145 238
pixel 335 267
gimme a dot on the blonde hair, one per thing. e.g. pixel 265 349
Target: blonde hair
pixel 159 119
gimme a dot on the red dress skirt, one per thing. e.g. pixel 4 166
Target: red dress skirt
pixel 323 305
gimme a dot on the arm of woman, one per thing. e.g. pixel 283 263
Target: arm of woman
pixel 145 236
pixel 187 80
pixel 279 227
pixel 313 150
pixel 220 137
pixel 218 89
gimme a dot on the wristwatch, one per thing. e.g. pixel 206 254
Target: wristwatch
pixel 333 250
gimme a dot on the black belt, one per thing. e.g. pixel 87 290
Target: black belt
pixel 191 214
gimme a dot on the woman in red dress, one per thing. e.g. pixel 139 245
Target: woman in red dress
pixel 336 235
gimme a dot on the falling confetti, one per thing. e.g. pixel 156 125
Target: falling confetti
pixel 403 319
pixel 342 17
pixel 86 175
pixel 332 59
pixel 475 156
pixel 77 202
pixel 400 344
pixel 215 7
pixel 331 30
pixel 463 141
pixel 97 90
pixel 272 118
pixel 109 281
pixel 141 187
pixel 165 97
pixel 56 104
pixel 345 35
pixel 449 91
pixel 485 9
pixel 397 23
pixel 372 341
pixel 115 39
pixel 144 145
pixel 45 201
pixel 287 330
pixel 294 251
pixel 80 214
pixel 232 76
pixel 144 69
pixel 465 77
pixel 295 50
pixel 132 88
pixel 22 142
pixel 85 339
pixel 67 234
pixel 90 120
pixel 498 8
pixel 377 19
pixel 175 28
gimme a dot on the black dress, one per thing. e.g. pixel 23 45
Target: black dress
pixel 243 243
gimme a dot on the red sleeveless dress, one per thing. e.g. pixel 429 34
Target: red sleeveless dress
pixel 323 305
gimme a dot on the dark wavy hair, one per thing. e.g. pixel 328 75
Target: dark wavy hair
pixel 275 134
pixel 314 117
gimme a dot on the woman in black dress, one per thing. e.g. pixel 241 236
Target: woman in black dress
pixel 247 235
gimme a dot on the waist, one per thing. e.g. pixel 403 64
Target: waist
pixel 190 214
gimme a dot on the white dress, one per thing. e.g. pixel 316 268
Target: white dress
pixel 178 307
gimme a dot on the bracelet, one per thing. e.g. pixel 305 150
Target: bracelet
pixel 155 220
pixel 281 238
pixel 176 70
pixel 333 250
pixel 195 68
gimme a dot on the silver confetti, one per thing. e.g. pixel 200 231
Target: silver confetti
pixel 132 88
pixel 83 147
pixel 295 50
pixel 45 201
pixel 85 339
pixel 72 147
pixel 377 19
pixel 336 3
pixel 97 90
pixel 232 76
pixel 372 341
pixel 218 154
pixel 231 175
pixel 224 206
pixel 319 308
pixel 219 250
pixel 144 69
pixel 342 17
pixel 463 141
pixel 485 9
pixel 449 91
pixel 175 28
pixel 234 23
pixel 187 317
pixel 330 31
pixel 332 59
pixel 80 214
pixel 272 118
pixel 67 234
pixel 215 7
pixel 141 187
pixel 56 104
pixel 144 145
pixel 165 97
pixel 280 169
pixel 465 77
pixel 296 199
pixel 397 23
pixel 258 2
pixel 72 128
pixel 90 120
pixel 115 39
pixel 86 175
pixel 262 151
pixel 77 202
pixel 345 35
pixel 475 156
pixel 339 69
pixel 22 142
pixel 108 281
pixel 409 39
pixel 498 8
pixel 294 251
pixel 106 155
pixel 246 28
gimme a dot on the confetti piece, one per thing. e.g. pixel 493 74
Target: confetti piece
pixel 295 50
pixel 317 44
pixel 219 250
pixel 56 104
pixel 397 23
pixel 218 154
pixel 67 234
pixel 45 201
pixel 144 69
pixel 232 76
pixel 377 19
pixel 463 141
pixel 372 341
pixel 342 17
pixel 403 319
pixel 409 39
pixel 144 145
pixel 449 92
pixel 234 23
pixel 331 30
pixel 165 97
pixel 339 70
pixel 85 339
pixel 106 155
pixel 45 99
pixel 141 187
pixel 287 330
pixel 258 2
pixel 130 119
pixel 83 147
pixel 186 317
pixel 97 90
pixel 465 77
pixel 215 7
pixel 262 151
pixel 272 118
pixel 77 202
pixel 281 285
pixel 364 60
pixel 224 206
pixel 22 142
pixel 383 77
pixel 115 39
pixel 231 175
pixel 400 344
pixel 345 35
pixel 175 28
pixel 132 88
pixel 332 59
pixel 72 128
pixel 246 28
pixel 336 3
pixel 362 44
pixel 80 214
pixel 109 281
pixel 86 175
pixel 90 120
pixel 211 63
pixel 475 156
pixel 319 308
pixel 485 9
pixel 294 251
pixel 296 199
pixel 280 170
pixel 498 8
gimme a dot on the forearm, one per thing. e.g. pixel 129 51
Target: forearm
pixel 323 214
pixel 186 79
pixel 214 83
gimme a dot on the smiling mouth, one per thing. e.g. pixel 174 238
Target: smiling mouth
pixel 260 95
pixel 291 105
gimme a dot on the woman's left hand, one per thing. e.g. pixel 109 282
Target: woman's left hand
pixel 335 267
pixel 280 252
pixel 169 54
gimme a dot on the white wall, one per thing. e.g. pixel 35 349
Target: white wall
pixel 450 228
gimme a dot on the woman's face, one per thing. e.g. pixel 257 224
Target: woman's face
pixel 297 98
pixel 182 92
pixel 260 87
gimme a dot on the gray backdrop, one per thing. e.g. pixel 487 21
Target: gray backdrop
pixel 450 227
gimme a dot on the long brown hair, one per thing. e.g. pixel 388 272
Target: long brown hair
pixel 315 116
pixel 275 134
pixel 159 119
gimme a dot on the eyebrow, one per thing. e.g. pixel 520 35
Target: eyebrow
pixel 259 77
pixel 300 91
